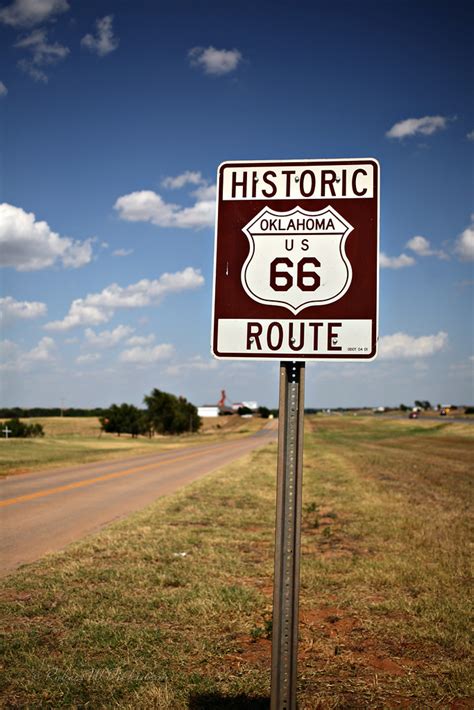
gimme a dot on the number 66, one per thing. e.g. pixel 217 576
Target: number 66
pixel 306 279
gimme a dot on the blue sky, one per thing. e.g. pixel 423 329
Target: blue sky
pixel 114 118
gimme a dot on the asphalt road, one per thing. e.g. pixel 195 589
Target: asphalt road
pixel 43 512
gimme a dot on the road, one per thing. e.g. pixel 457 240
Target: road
pixel 43 512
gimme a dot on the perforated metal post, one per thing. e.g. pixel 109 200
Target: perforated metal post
pixel 287 536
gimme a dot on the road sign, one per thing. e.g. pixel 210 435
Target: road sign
pixel 296 260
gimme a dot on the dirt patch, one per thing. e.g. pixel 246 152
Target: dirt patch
pixel 369 653
pixel 14 595
pixel 255 652
pixel 341 634
pixel 462 704
pixel 331 623
pixel 385 665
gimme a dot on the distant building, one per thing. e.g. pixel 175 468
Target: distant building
pixel 208 410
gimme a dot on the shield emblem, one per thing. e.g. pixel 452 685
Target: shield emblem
pixel 297 258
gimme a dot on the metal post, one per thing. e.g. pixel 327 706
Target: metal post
pixel 287 536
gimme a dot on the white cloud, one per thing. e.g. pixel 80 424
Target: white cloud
pixel 421 246
pixel 464 247
pixel 11 309
pixel 87 359
pixel 104 41
pixel 3 89
pixel 108 338
pixel 26 13
pixel 189 177
pixel 470 136
pixel 412 126
pixel 148 206
pixel 205 193
pixel 122 252
pixel 29 245
pixel 141 340
pixel 145 206
pixel 395 262
pixel 215 61
pixel 33 71
pixel 97 308
pixel 43 351
pixel 401 345
pixel 194 364
pixel 13 358
pixel 143 355
pixel 42 54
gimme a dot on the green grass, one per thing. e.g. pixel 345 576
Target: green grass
pixel 171 608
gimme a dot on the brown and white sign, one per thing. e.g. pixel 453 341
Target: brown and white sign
pixel 296 260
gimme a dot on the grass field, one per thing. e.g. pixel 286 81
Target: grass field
pixel 72 440
pixel 171 608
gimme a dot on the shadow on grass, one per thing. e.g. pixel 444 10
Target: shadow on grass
pixel 213 701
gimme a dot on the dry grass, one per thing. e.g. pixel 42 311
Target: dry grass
pixel 72 440
pixel 126 619
pixel 67 426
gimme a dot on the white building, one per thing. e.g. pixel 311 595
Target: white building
pixel 208 410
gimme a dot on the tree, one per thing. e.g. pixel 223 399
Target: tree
pixel 264 412
pixel 18 429
pixel 244 410
pixel 124 419
pixel 186 417
pixel 422 404
pixel 168 414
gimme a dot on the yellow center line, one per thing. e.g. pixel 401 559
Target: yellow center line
pixel 106 477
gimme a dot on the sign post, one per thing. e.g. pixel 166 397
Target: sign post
pixel 295 279
pixel 287 537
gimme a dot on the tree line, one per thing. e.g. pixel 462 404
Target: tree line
pixel 24 413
